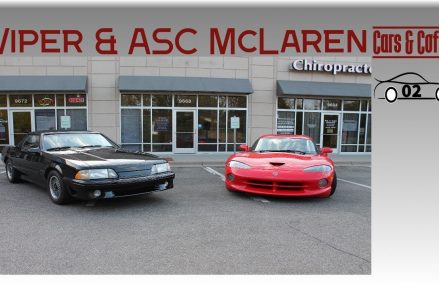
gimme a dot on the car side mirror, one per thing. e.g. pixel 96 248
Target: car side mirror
pixel 325 151
pixel 244 147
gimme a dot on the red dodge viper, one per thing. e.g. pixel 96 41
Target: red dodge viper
pixel 282 165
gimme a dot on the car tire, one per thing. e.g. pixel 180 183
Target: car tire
pixel 333 185
pixel 11 173
pixel 57 191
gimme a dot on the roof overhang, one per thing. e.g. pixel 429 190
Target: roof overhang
pixel 330 89
pixel 184 84
pixel 43 84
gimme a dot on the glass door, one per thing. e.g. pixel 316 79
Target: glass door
pixel 330 127
pixel 22 124
pixel 185 131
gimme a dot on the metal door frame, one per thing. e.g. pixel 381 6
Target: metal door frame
pixel 322 123
pixel 11 125
pixel 174 133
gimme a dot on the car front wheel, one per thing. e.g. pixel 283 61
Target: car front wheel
pixel 12 174
pixel 58 192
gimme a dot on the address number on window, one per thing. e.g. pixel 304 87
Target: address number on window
pixel 184 101
pixel 21 101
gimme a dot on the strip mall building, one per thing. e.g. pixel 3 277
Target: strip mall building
pixel 185 104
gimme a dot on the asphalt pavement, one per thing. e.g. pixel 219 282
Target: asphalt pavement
pixel 196 228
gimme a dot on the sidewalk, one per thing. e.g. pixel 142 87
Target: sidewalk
pixel 218 159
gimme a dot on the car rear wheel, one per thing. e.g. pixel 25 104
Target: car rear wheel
pixel 58 192
pixel 333 185
pixel 12 174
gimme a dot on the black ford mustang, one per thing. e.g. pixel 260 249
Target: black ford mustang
pixel 84 165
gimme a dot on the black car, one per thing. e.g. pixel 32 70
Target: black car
pixel 84 165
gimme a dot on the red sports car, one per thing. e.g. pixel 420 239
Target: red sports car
pixel 282 165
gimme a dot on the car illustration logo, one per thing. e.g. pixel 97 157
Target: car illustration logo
pixel 406 86
pixel 275 173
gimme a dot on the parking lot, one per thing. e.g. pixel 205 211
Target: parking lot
pixel 196 228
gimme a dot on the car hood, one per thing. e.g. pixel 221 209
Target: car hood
pixel 117 159
pixel 280 160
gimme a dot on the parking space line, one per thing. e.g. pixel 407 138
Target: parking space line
pixel 355 183
pixel 214 172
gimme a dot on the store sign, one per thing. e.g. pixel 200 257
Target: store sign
pixel 330 126
pixel 234 122
pixel 65 122
pixel 46 101
pixel 76 100
pixel 161 124
pixel 334 68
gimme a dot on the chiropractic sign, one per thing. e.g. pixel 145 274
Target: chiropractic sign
pixel 334 68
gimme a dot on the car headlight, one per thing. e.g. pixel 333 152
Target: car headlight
pixel 237 164
pixel 319 168
pixel 91 174
pixel 160 168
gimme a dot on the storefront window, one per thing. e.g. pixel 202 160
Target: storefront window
pixel 237 101
pixel 354 116
pixel 312 126
pixel 369 129
pixel 185 101
pixel 147 100
pixel 131 100
pixel 130 125
pixel 207 101
pixel 4 133
pixel 312 104
pixel 362 129
pixel 162 100
pixel 47 110
pixel 285 103
pixel 207 130
pixel 299 123
pixel 20 100
pixel 162 126
pixel 350 129
pixel 149 125
pixel 3 101
pixel 45 120
pixel 351 105
pixel 332 104
pixel 222 101
pixel 364 105
pixel 146 126
pixel 44 100
pixel 207 126
pixel 222 126
pixel 60 100
pixel 286 122
pixel 299 104
pixel 241 131
pixel 76 100
pixel 349 148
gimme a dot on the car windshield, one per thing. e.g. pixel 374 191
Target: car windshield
pixel 277 144
pixel 74 140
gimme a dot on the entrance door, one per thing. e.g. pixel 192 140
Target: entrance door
pixel 22 124
pixel 185 131
pixel 330 127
